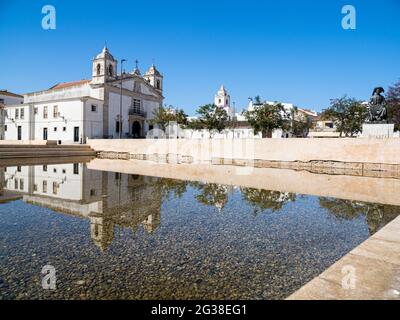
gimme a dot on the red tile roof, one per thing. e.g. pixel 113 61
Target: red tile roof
pixel 10 94
pixel 69 84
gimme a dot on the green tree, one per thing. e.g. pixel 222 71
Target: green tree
pixel 163 115
pixel 301 123
pixel 268 117
pixel 348 115
pixel 393 100
pixel 210 117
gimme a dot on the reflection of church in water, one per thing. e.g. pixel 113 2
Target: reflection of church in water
pixel 107 199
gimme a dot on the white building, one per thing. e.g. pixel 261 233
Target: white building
pixel 7 98
pixel 97 108
pixel 223 100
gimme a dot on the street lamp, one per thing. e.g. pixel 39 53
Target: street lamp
pixel 120 103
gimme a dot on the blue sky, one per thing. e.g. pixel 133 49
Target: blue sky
pixel 289 51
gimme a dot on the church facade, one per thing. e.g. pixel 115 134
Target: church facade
pixel 109 105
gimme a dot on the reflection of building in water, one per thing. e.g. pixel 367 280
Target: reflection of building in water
pixel 107 199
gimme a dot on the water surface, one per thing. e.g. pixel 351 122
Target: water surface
pixel 119 236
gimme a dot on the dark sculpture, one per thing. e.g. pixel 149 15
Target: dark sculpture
pixel 377 110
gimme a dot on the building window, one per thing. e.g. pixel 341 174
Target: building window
pixel 35 110
pixel 94 108
pixel 92 192
pixel 21 184
pixel 64 171
pixel 44 186
pixel 110 70
pixel 64 129
pixel 5 128
pixel 219 100
pixel 2 101
pixel 158 84
pixel 45 168
pixel 19 168
pixel 55 187
pixel 98 69
pixel 16 184
pixel 136 106
pixel 35 187
pixel 16 113
pixel 45 112
pixel 55 129
pixel 117 176
pixel 76 168
pixel 22 113
pixel 55 170
pixel 55 112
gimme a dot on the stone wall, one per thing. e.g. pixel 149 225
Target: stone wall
pixel 322 151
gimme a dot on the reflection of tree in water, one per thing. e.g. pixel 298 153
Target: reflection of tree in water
pixel 376 215
pixel 263 200
pixel 212 194
pixel 171 186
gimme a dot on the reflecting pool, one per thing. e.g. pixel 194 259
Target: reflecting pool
pixel 111 235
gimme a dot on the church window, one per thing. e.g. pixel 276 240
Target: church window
pixel 94 108
pixel 219 100
pixel 98 69
pixel 110 70
pixel 158 84
pixel 45 112
pixel 136 106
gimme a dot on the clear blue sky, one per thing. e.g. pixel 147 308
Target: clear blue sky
pixel 290 51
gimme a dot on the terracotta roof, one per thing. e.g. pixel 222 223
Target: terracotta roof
pixel 7 93
pixel 69 84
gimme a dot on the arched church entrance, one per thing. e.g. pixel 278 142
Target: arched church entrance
pixel 136 129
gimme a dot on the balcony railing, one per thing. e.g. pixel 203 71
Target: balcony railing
pixel 136 112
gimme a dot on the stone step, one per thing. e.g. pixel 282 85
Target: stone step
pixel 3 150
pixel 33 146
pixel 36 154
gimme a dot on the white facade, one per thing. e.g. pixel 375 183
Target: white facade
pixel 7 98
pixel 72 112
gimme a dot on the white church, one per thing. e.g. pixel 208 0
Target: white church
pixel 98 107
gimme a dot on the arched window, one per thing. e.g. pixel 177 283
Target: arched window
pixel 98 69
pixel 158 84
pixel 110 70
